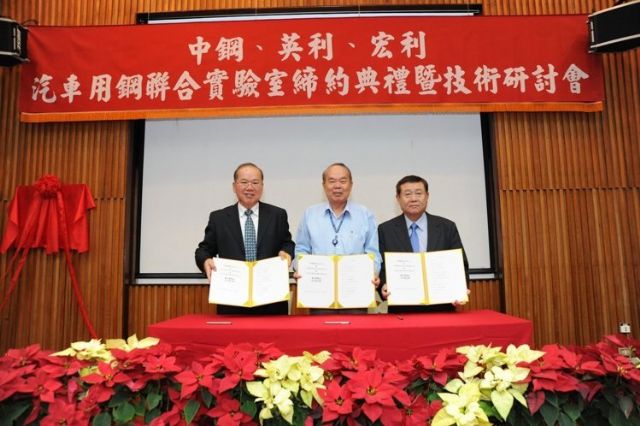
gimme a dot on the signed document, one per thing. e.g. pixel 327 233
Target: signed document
pixel 248 284
pixel 336 282
pixel 425 278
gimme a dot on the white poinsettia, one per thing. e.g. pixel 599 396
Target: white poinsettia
pixel 461 408
pixel 286 378
pixel 132 343
pixel 497 376
pixel 94 349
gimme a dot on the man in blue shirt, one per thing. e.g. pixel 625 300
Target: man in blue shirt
pixel 338 226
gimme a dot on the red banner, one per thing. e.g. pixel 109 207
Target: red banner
pixel 314 65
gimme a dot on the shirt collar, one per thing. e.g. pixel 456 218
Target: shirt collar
pixel 327 208
pixel 421 222
pixel 254 209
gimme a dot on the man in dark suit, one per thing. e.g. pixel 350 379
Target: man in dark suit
pixel 231 234
pixel 416 227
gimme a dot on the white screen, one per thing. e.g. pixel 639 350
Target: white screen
pixel 189 164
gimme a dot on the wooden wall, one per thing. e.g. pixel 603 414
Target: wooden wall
pixel 568 188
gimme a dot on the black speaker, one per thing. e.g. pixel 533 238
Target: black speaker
pixel 615 29
pixel 13 43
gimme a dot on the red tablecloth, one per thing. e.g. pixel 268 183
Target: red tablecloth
pixel 394 337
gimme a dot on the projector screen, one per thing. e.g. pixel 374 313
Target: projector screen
pixel 188 172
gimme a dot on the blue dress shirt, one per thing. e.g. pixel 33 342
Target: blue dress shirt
pixel 358 233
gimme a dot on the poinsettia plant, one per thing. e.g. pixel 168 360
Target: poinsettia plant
pixel 148 382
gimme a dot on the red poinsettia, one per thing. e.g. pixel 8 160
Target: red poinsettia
pixel 174 416
pixel 16 358
pixel 239 365
pixel 446 364
pixel 228 413
pixel 264 351
pixel 59 366
pixel 159 365
pixel 64 413
pixel 338 401
pixel 419 412
pixel 107 376
pixel 378 395
pixel 356 360
pixel 90 403
pixel 41 385
pixel 8 383
pixel 197 376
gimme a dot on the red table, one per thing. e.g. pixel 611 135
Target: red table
pixel 394 337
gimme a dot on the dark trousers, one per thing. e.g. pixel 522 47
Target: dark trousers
pixel 280 308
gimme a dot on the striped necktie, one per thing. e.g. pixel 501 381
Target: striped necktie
pixel 249 238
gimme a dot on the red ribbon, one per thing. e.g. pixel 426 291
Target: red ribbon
pixel 34 233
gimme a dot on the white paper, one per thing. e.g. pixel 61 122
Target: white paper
pixel 405 279
pixel 355 289
pixel 316 282
pixel 446 279
pixel 229 283
pixel 270 281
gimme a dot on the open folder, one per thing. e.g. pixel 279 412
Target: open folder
pixel 335 282
pixel 249 284
pixel 426 278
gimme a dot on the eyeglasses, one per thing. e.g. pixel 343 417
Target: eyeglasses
pixel 245 183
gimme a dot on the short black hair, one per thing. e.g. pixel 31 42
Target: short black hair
pixel 235 173
pixel 324 173
pixel 411 179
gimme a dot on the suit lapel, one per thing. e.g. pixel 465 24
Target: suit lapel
pixel 400 229
pixel 263 223
pixel 433 233
pixel 233 218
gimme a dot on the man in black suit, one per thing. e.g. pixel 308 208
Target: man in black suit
pixel 231 234
pixel 432 233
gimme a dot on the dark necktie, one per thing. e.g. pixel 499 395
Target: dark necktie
pixel 249 238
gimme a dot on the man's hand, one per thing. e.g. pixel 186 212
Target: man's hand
pixel 375 281
pixel 209 266
pixel 284 255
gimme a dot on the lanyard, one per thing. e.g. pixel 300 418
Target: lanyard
pixel 336 228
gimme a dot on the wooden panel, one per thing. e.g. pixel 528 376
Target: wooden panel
pixel 568 186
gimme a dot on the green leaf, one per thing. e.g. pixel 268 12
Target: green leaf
pixel 152 415
pixel 190 410
pixel 573 410
pixel 152 400
pixel 207 398
pixel 10 411
pixel 249 406
pixel 140 407
pixel 299 415
pixel 550 413
pixel 552 398
pixel 626 405
pixel 119 398
pixel 488 409
pixel 610 396
pixel 124 413
pixel 616 417
pixel 102 419
pixel 565 420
